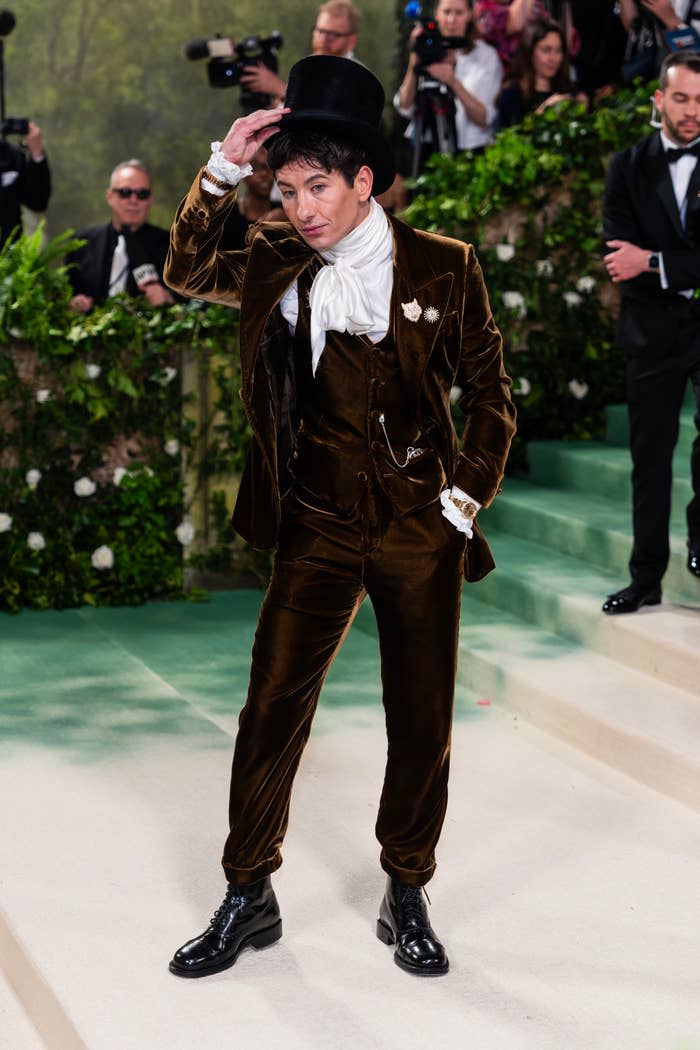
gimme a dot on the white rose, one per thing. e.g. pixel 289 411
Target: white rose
pixel 172 446
pixel 505 252
pixel 5 522
pixel 35 541
pixel 16 333
pixel 524 386
pixel 169 374
pixel 92 371
pixel 579 390
pixel 572 298
pixel 118 475
pixel 515 301
pixel 102 557
pixel 84 487
pixel 455 394
pixel 42 395
pixel 544 268
pixel 585 284
pixel 33 477
pixel 185 533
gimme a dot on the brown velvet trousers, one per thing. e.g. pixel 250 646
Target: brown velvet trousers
pixel 411 569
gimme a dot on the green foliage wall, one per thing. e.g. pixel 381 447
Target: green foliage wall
pixel 108 81
pixel 94 433
pixel 532 205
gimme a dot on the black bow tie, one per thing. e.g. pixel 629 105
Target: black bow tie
pixel 672 155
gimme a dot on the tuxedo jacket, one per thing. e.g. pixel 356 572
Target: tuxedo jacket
pixel 640 207
pixel 462 348
pixel 90 265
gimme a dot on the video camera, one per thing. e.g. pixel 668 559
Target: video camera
pixel 8 125
pixel 229 60
pixel 431 46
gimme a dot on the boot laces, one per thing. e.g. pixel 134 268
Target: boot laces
pixel 234 899
pixel 413 907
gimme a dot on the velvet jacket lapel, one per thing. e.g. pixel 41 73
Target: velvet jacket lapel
pixel 413 280
pixel 278 257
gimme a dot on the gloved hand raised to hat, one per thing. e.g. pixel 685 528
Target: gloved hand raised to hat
pixel 247 134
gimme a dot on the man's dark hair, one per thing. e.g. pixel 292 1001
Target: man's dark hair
pixel 309 147
pixel 689 59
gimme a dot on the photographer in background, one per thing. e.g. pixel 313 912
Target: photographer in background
pixel 125 255
pixel 472 74
pixel 335 33
pixel 25 179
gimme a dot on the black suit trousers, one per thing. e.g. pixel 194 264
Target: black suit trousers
pixel 655 391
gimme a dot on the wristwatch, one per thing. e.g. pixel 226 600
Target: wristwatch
pixel 653 263
pixel 466 508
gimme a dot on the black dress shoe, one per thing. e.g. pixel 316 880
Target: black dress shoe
pixel 248 915
pixel 403 921
pixel 631 598
pixel 693 562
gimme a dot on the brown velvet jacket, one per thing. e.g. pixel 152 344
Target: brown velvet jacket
pixel 461 348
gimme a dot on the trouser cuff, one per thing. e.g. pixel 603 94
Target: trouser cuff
pixel 407 876
pixel 247 876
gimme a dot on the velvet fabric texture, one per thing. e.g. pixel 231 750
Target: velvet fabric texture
pixel 455 344
pixel 411 570
pixel 381 533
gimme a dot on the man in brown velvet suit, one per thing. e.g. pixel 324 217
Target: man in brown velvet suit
pixel 354 330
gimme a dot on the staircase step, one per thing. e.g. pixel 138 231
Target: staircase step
pixel 595 467
pixel 563 595
pixel 589 527
pixel 617 428
pixel 627 719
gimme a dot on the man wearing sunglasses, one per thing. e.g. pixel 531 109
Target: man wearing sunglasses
pixel 335 33
pixel 128 253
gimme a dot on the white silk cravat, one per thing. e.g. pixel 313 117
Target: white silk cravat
pixel 353 292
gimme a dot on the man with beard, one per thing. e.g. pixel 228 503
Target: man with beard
pixel 652 226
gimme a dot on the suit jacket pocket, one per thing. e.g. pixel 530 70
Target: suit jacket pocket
pixel 416 485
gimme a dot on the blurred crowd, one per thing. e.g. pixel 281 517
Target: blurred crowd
pixel 474 67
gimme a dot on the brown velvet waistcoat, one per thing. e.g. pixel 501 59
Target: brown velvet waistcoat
pixel 351 418
pixel 452 342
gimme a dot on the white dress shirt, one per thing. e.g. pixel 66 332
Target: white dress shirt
pixel 681 172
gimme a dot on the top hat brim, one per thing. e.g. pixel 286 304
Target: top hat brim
pixel 379 156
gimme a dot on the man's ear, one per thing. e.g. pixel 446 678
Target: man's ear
pixel 364 180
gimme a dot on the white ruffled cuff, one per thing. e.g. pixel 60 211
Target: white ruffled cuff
pixel 225 170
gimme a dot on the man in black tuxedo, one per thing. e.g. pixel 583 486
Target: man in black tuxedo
pixel 127 254
pixel 652 226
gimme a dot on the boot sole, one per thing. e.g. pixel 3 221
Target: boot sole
pixel 387 937
pixel 263 939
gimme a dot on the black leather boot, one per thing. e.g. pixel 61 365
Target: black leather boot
pixel 248 915
pixel 403 921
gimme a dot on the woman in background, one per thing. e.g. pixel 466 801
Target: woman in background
pixel 540 75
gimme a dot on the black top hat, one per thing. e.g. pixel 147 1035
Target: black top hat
pixel 343 99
